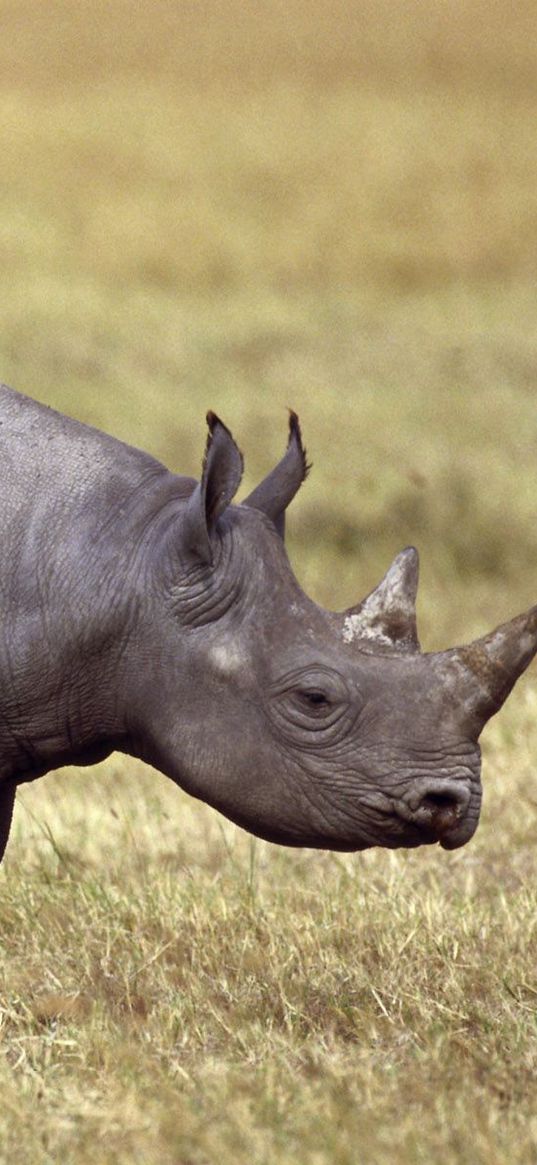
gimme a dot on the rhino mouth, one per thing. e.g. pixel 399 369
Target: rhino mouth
pixel 450 831
pixel 443 811
pixel 406 836
pixel 458 837
pixel 413 837
pixel 438 817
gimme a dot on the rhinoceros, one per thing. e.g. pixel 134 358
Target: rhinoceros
pixel 148 613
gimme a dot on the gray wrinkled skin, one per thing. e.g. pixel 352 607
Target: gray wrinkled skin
pixel 147 613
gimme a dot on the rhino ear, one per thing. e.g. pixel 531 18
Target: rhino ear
pixel 220 480
pixel 273 494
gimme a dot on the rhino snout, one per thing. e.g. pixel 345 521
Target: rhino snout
pixel 437 806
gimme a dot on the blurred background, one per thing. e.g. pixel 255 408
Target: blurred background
pixel 246 207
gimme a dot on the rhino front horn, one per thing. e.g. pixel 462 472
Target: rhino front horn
pixel 493 664
pixel 387 616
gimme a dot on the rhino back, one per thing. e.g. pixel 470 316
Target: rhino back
pixel 65 486
pixel 45 455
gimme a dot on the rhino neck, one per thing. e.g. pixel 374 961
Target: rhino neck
pixel 76 508
pixel 59 667
pixel 54 725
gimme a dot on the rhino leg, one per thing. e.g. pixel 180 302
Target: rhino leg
pixel 7 800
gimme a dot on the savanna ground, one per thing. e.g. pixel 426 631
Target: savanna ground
pixel 245 207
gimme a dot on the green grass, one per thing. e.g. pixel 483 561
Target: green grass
pixel 247 208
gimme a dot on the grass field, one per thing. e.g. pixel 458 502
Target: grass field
pixel 246 208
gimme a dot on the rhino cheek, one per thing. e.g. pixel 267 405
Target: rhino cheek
pixel 226 659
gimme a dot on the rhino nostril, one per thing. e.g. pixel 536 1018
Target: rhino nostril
pixel 441 801
pixel 439 807
pixel 440 811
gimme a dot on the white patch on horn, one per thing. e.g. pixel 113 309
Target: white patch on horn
pixel 354 628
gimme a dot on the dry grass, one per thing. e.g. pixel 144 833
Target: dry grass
pixel 172 992
pixel 248 207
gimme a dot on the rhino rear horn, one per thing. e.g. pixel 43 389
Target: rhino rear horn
pixel 387 616
pixel 493 664
pixel 220 480
pixel 273 494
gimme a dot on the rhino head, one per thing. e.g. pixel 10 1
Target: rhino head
pixel 305 726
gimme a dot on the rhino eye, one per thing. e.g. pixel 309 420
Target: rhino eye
pixel 314 699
